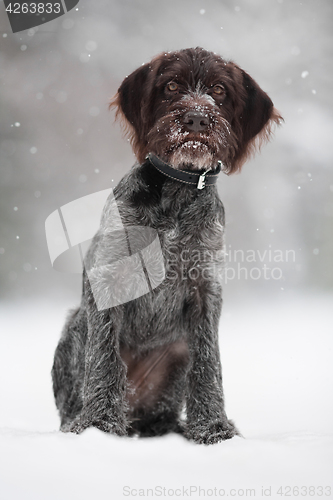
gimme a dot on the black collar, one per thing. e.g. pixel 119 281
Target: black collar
pixel 199 180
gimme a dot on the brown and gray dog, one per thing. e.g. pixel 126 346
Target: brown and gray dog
pixel 151 364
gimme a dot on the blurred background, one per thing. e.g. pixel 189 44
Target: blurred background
pixel 58 140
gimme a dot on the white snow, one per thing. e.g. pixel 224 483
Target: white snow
pixel 277 366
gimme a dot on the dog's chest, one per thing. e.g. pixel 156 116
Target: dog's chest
pixel 192 258
pixel 189 227
pixel 193 265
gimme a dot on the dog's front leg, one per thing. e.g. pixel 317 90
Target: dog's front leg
pixel 207 421
pixel 105 376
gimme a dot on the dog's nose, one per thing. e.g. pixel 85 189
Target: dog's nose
pixel 196 121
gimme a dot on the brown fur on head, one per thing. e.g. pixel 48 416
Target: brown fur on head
pixel 156 100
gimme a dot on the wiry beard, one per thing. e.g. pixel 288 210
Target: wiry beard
pixel 192 154
pixel 192 150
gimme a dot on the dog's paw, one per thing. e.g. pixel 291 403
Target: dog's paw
pixel 118 428
pixel 80 424
pixel 76 426
pixel 212 433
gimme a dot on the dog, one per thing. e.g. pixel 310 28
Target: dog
pixel 150 364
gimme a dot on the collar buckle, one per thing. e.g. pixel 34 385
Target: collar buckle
pixel 202 180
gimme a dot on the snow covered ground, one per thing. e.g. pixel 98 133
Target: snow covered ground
pixel 277 366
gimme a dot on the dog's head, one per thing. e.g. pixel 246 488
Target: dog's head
pixel 192 108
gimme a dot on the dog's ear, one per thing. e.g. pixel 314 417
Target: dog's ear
pixel 128 102
pixel 255 122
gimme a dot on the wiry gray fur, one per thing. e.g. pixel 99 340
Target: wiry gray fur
pixel 89 373
pixel 152 365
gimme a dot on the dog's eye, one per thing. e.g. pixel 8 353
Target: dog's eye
pixel 218 89
pixel 172 86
